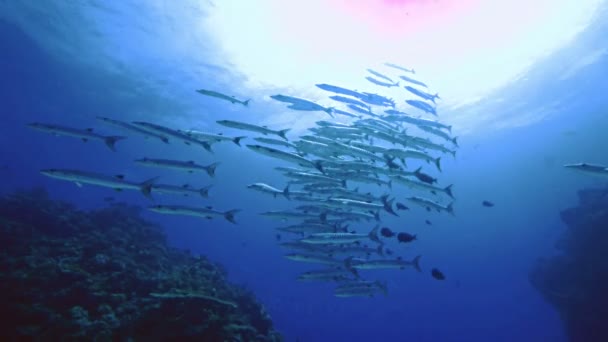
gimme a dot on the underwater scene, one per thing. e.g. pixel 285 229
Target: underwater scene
pixel 374 170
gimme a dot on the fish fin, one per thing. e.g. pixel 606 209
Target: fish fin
pixel 229 215
pixel 211 169
pixel 146 187
pixel 455 141
pixel 237 140
pixel 246 102
pixel 204 191
pixel 120 176
pixel 190 162
pixel 111 140
pixel 448 190
pixel 451 209
pixel 118 189
pixel 164 139
pixel 207 146
pixel 381 249
pixel 84 139
pixel 319 166
pixel 438 163
pixel 416 263
pixel 373 235
pixel 282 133
pixel 89 130
pixel 286 192
pixel 209 207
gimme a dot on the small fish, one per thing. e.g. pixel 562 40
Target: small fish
pixel 387 232
pixel 380 83
pixel 487 204
pixel 83 134
pixel 424 106
pixel 428 222
pixel 395 66
pixel 133 128
pixel 592 169
pixel 423 177
pixel 437 274
pixel 379 75
pixel 225 97
pixel 117 182
pixel 405 237
pixel 253 128
pixel 189 166
pixel 411 80
pixel 401 206
pixel 205 212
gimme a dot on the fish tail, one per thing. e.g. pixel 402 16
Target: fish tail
pixel 229 215
pixel 451 209
pixel 437 96
pixel 204 191
pixel 450 128
pixel 164 139
pixel 416 263
pixel 373 234
pixel 237 140
pixel 211 169
pixel 448 190
pixel 455 141
pixel 438 163
pixel 286 192
pixel 383 287
pixel 111 140
pixel 453 153
pixel 146 187
pixel 376 216
pixel 319 166
pixel 282 133
pixel 246 102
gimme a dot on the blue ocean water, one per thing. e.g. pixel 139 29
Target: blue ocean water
pixel 486 253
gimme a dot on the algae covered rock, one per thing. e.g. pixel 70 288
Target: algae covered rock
pixel 108 274
pixel 575 280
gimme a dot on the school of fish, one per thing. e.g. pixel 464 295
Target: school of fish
pixel 372 157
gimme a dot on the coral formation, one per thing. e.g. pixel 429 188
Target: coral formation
pixel 575 280
pixel 108 274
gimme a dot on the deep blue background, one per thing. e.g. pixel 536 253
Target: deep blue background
pixel 485 253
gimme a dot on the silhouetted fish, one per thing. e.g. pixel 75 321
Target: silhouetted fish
pixel 487 204
pixel 401 206
pixel 437 274
pixel 405 237
pixel 386 232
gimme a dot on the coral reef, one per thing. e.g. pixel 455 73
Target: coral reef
pixel 575 280
pixel 108 274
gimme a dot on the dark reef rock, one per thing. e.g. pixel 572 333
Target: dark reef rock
pixel 575 281
pixel 103 275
